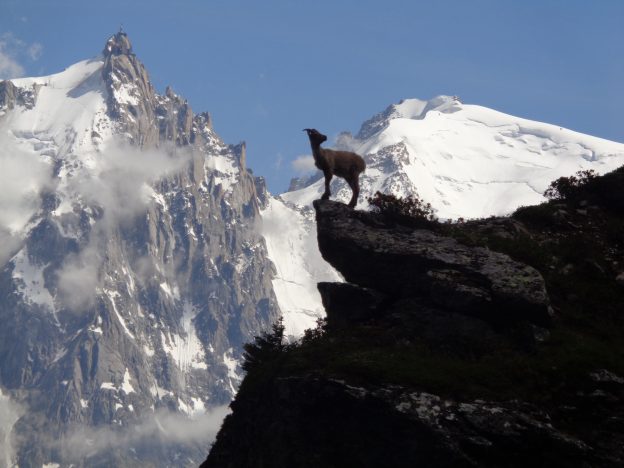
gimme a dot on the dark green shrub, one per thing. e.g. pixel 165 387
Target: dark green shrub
pixel 402 210
pixel 265 347
pixel 312 334
pixel 565 188
pixel 606 191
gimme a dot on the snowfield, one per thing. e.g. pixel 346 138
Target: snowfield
pixel 290 236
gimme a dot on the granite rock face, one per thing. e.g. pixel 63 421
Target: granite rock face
pixel 118 315
pixel 11 96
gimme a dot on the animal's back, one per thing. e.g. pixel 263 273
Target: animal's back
pixel 347 163
pixel 358 165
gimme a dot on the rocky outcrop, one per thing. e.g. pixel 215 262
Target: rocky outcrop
pixel 399 264
pixel 8 92
pixel 11 96
pixel 327 422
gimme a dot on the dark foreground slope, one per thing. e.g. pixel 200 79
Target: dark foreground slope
pixel 491 343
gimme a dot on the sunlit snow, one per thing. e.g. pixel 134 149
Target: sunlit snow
pixel 126 385
pixel 186 350
pixel 223 169
pixel 30 281
pixel 290 236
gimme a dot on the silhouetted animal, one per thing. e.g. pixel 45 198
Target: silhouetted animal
pixel 344 164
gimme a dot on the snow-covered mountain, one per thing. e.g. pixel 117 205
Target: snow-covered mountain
pixel 466 160
pixel 132 270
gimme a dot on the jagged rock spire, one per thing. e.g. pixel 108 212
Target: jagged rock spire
pixel 119 44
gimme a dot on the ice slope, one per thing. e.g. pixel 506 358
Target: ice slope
pixel 466 160
pixel 58 129
pixel 46 144
pixel 290 236
pixel 69 106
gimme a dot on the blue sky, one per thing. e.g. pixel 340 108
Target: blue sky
pixel 265 70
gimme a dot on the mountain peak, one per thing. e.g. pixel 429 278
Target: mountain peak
pixel 118 44
pixel 415 109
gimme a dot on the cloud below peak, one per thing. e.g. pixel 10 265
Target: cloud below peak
pixel 303 164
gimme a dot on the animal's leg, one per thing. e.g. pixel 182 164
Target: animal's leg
pixel 328 178
pixel 354 183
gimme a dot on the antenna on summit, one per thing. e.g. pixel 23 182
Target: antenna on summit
pixel 121 28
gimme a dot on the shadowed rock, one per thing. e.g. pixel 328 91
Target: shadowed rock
pixel 421 263
pixel 320 422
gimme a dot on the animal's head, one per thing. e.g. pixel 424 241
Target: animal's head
pixel 315 136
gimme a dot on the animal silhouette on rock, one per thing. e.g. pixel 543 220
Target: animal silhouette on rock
pixel 343 164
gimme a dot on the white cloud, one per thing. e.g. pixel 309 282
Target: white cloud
pixel 160 428
pixel 34 51
pixel 120 183
pixel 9 245
pixel 9 414
pixel 304 164
pixel 9 67
pixel 78 279
pixel 23 178
pixel 120 187
pixel 279 159
pixel 12 51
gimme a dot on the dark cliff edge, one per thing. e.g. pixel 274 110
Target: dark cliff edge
pixel 497 342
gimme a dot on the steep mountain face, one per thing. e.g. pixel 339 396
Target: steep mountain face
pixel 132 268
pixel 468 161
